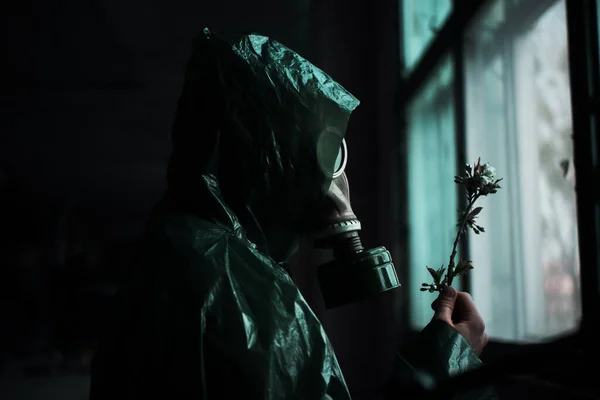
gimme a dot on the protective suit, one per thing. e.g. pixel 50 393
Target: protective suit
pixel 208 309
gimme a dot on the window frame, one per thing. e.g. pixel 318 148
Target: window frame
pixel 584 63
pixel 582 30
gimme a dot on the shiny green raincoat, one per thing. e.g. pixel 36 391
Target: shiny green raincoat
pixel 205 312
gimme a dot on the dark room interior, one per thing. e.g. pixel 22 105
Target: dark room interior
pixel 89 91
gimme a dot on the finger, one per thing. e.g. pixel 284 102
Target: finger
pixel 445 304
pixel 434 305
pixel 465 307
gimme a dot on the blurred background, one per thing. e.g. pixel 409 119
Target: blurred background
pixel 88 93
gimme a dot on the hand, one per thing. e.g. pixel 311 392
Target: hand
pixel 458 310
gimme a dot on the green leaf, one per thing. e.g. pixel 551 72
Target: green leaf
pixel 433 272
pixel 436 274
pixel 475 211
pixel 440 272
pixel 463 266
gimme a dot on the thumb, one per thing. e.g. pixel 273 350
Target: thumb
pixel 445 304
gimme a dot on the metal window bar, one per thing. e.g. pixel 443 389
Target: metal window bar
pixel 460 125
pixel 582 28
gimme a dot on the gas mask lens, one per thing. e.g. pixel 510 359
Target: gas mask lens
pixel 340 160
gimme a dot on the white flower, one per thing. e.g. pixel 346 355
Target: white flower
pixel 488 174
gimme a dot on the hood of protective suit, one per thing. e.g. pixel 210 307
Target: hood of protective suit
pixel 266 121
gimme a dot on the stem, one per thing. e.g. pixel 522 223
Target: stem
pixel 450 274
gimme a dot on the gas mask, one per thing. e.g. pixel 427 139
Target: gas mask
pixel 355 273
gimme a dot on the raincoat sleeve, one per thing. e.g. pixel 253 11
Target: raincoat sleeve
pixel 439 353
pixel 214 319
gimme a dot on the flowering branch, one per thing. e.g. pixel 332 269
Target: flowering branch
pixel 478 180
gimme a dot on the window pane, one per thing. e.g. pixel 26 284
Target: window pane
pixel 432 192
pixel 420 21
pixel 526 276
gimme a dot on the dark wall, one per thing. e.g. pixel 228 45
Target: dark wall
pixel 90 88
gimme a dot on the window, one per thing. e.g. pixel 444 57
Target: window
pixel 431 168
pixel 519 119
pixel 420 20
pixel 498 88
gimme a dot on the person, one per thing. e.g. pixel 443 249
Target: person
pixel 208 309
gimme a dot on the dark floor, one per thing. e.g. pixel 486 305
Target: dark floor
pixel 42 379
